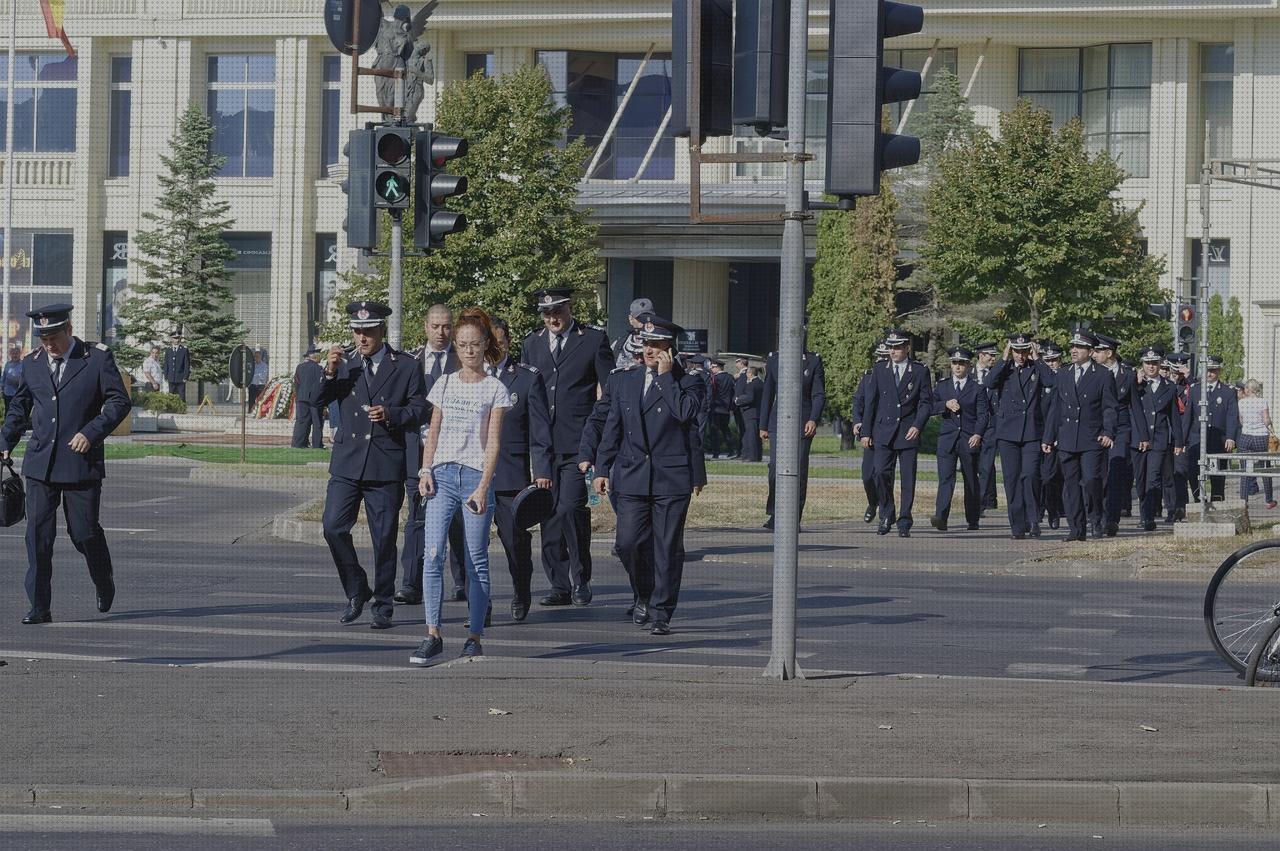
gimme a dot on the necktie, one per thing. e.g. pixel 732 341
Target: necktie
pixel 1079 372
pixel 649 378
pixel 897 373
pixel 959 387
pixel 57 371
pixel 555 352
pixel 436 368
pixel 368 368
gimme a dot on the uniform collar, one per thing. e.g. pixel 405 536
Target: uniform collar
pixel 377 356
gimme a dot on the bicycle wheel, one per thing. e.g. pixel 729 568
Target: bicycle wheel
pixel 1264 660
pixel 1242 598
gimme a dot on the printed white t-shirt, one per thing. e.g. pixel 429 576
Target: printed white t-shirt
pixel 465 409
pixel 1251 421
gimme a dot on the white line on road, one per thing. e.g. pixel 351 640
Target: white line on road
pixel 155 500
pixel 129 531
pixel 1081 632
pixel 135 824
pixel 1125 613
pixel 254 595
pixel 1037 669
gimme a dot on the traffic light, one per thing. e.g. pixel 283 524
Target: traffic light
pixel 858 88
pixel 1164 310
pixel 716 67
pixel 361 224
pixel 432 187
pixel 1186 325
pixel 761 39
pixel 393 152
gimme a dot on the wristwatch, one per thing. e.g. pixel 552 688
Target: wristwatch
pixel 424 471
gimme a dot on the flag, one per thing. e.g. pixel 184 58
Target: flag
pixel 53 14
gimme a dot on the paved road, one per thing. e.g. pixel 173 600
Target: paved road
pixel 201 580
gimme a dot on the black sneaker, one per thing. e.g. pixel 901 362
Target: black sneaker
pixel 472 648
pixel 432 645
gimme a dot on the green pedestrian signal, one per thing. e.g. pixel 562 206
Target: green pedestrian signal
pixel 393 167
pixel 390 188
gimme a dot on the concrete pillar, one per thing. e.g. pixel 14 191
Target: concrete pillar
pixel 700 298
pixel 85 218
pixel 1172 147
pixel 292 232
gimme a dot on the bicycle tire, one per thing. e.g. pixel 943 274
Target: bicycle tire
pixel 1265 649
pixel 1240 636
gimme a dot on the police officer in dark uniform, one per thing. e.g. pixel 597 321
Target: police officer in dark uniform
pixel 1050 466
pixel 868 454
pixel 526 439
pixel 962 405
pixel 720 407
pixel 383 402
pixel 1082 423
pixel 177 365
pixel 575 361
pixel 739 385
pixel 308 426
pixel 1015 384
pixel 1224 423
pixel 899 402
pixel 73 394
pixel 986 354
pixel 1179 479
pixel 646 456
pixel 1157 434
pixel 1118 482
pixel 750 392
pixel 813 398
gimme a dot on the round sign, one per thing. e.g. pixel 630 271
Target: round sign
pixel 241 366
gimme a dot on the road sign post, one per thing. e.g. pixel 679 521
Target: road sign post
pixel 241 371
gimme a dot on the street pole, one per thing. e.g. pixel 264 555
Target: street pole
pixel 1180 294
pixel 1202 302
pixel 791 343
pixel 7 254
pixel 244 416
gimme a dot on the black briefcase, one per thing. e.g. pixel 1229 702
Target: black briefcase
pixel 13 498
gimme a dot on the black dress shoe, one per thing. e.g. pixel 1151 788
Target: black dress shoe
pixel 883 528
pixel 1073 536
pixel 1035 531
pixel 768 524
pixel 408 596
pixel 581 595
pixel 1054 523
pixel 640 615
pixel 973 527
pixel 355 606
pixel 869 514
pixel 519 610
pixel 938 523
pixel 1149 526
pixel 459 595
pixel 1112 529
pixel 106 596
pixel 1180 514
pixel 488 618
pixel 660 628
pixel 556 598
pixel 380 621
pixel 1126 512
pixel 904 532
pixel 1019 536
pixel 37 617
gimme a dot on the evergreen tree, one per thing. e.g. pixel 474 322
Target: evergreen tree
pixel 1226 336
pixel 183 260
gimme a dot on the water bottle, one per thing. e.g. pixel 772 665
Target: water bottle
pixel 593 498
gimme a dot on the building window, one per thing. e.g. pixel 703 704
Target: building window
pixel 121 102
pixel 330 113
pixel 40 269
pixel 1108 86
pixel 593 86
pixel 115 281
pixel 44 103
pixel 250 283
pixel 479 63
pixel 322 303
pixel 1217 72
pixel 242 105
pixel 51 259
pixel 1219 267
pixel 914 60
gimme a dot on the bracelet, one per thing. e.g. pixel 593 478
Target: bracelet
pixel 424 471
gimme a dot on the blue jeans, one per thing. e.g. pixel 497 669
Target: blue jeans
pixel 454 483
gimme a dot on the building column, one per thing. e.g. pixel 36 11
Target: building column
pixel 85 219
pixel 700 298
pixel 1171 148
pixel 292 235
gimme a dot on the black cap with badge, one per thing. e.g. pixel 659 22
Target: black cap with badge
pixel 1049 350
pixel 1020 342
pixel 1151 354
pixel 548 298
pixel 959 354
pixel 897 337
pixel 987 348
pixel 367 314
pixel 49 319
pixel 1082 339
pixel 657 328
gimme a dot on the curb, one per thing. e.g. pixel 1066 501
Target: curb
pixel 738 797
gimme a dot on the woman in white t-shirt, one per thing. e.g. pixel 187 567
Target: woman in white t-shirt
pixel 459 455
pixel 1255 428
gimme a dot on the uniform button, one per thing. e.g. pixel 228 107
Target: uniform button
pixel 53 420
pixel 53 398
pixel 368 437
pixel 553 387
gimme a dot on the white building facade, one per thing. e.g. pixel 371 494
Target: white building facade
pixel 1145 75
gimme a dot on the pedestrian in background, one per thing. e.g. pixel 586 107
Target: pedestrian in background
pixel 177 366
pixel 259 379
pixel 459 458
pixel 639 307
pixel 152 372
pixel 747 405
pixel 962 405
pixel 1224 422
pixel 1121 459
pixel 813 398
pixel 12 375
pixel 1255 431
pixel 720 388
pixel 1050 466
pixel 987 353
pixel 739 387
pixel 868 454
pixel 308 430
pixel 1014 386
pixel 1156 434
pixel 899 403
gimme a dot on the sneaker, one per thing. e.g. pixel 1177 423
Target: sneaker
pixel 432 645
pixel 1271 504
pixel 472 648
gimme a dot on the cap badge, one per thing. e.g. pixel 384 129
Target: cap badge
pixel 44 320
pixel 362 314
pixel 648 326
pixel 547 299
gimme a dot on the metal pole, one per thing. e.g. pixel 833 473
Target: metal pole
pixel 1179 294
pixel 395 282
pixel 791 341
pixel 1201 302
pixel 7 254
pixel 244 417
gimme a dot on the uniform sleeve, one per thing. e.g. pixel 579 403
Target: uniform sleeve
pixel 593 429
pixel 925 408
pixel 604 362
pixel 819 395
pixel 768 393
pixel 1233 417
pixel 115 402
pixel 541 453
pixel 412 412
pixel 685 401
pixel 1050 435
pixel 983 402
pixel 610 439
pixel 16 416
pixel 1109 405
pixel 1137 418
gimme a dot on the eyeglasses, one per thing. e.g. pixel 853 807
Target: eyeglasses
pixel 470 347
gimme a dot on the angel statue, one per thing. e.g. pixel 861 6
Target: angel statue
pixel 396 44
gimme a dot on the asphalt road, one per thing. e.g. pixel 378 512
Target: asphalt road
pixel 200 579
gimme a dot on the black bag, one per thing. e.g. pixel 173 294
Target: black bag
pixel 13 498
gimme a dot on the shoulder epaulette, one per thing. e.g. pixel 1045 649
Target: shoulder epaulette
pixel 599 328
pixel 622 368
pixel 101 346
pixel 529 367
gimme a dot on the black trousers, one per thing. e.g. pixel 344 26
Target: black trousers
pixel 81 502
pixel 987 470
pixel 382 501
pixel 1051 486
pixel 1217 445
pixel 1151 471
pixel 869 478
pixel 517 543
pixel 968 460
pixel 1082 488
pixel 1187 469
pixel 806 443
pixel 566 536
pixel 414 544
pixel 886 460
pixel 308 427
pixel 751 449
pixel 1120 480
pixel 741 423
pixel 718 435
pixel 179 389
pixel 651 543
pixel 1020 463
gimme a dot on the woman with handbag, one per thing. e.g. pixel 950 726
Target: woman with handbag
pixel 1257 434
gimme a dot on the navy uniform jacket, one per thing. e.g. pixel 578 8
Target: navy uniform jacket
pixel 813 390
pixel 1017 394
pixel 721 388
pixel 307 379
pixel 649 444
pixel 860 400
pixel 1126 379
pixel 368 451
pixel 526 429
pixel 893 409
pixel 585 364
pixel 1082 411
pixel 1155 416
pixel 413 450
pixel 1046 394
pixel 177 364
pixel 1224 414
pixel 974 415
pixel 747 397
pixel 90 401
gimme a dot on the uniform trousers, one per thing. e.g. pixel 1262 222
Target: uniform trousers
pixel 1051 486
pixel 1187 469
pixel 566 535
pixel 411 555
pixel 719 438
pixel 1082 488
pixel 751 449
pixel 802 475
pixel 1020 464
pixel 741 423
pixel 308 429
pixel 987 470
pixel 517 543
pixel 81 502
pixel 1121 476
pixel 1150 469
pixel 179 389
pixel 382 501
pixel 651 543
pixel 968 460
pixel 1217 445
pixel 1174 490
pixel 886 460
pixel 869 478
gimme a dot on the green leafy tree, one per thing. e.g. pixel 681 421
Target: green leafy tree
pixel 852 300
pixel 1226 336
pixel 183 258
pixel 1030 224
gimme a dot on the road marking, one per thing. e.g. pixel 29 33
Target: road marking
pixel 1074 651
pixel 1081 631
pixel 1125 613
pixel 135 824
pixel 128 531
pixel 330 575
pixel 155 500
pixel 250 595
pixel 1037 669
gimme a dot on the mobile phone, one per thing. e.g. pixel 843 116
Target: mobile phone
pixel 474 506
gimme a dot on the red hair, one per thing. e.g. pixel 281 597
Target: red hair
pixel 475 317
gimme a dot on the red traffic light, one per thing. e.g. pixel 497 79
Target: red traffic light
pixel 1186 313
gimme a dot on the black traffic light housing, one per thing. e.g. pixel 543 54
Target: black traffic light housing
pixel 432 222
pixel 1164 310
pixel 393 163
pixel 760 51
pixel 1186 325
pixel 361 223
pixel 716 78
pixel 858 87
